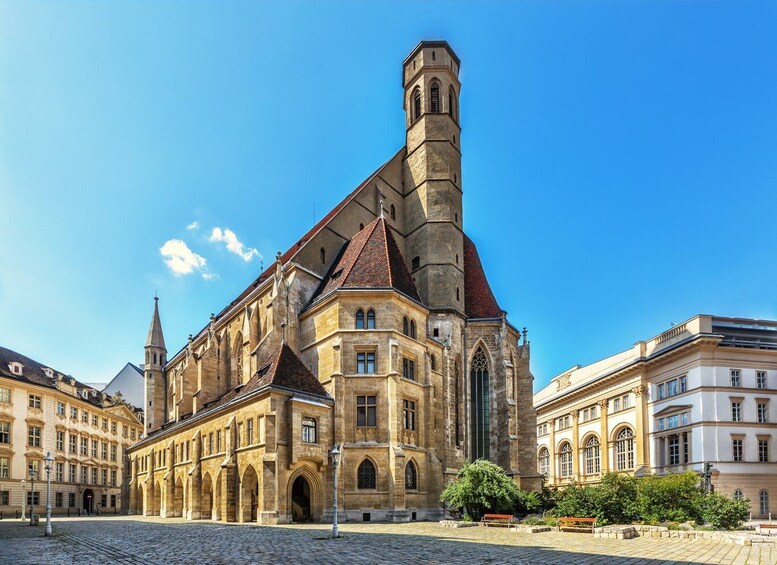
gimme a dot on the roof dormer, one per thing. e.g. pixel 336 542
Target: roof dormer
pixel 16 367
pixel 49 372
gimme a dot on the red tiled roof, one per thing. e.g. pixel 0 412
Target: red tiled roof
pixel 478 298
pixel 371 259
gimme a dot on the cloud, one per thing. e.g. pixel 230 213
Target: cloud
pixel 234 245
pixel 195 225
pixel 209 276
pixel 181 259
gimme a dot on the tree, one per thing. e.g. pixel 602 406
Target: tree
pixel 724 513
pixel 674 498
pixel 481 487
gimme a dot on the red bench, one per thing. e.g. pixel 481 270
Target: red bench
pixel 569 523
pixel 497 520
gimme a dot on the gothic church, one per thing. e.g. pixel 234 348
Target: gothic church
pixel 376 331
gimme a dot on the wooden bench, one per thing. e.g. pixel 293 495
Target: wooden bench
pixel 768 527
pixel 573 524
pixel 497 520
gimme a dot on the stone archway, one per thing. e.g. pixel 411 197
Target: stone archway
pixel 206 498
pixel 300 500
pixel 177 507
pixel 306 495
pixel 217 498
pixel 156 506
pixel 249 496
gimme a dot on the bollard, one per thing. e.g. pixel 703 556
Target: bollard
pixel 68 512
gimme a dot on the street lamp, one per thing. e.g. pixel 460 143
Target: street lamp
pixel 32 494
pixel 49 461
pixel 335 461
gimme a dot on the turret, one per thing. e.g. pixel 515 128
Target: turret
pixel 156 357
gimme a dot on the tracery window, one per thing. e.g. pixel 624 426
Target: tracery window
pixel 624 450
pixel 544 462
pixel 366 475
pixel 479 409
pixel 416 103
pixel 411 476
pixel 435 98
pixel 592 456
pixel 565 460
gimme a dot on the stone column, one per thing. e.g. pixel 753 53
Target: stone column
pixel 640 433
pixel 132 486
pixel 552 452
pixel 575 447
pixel 195 480
pixel 604 436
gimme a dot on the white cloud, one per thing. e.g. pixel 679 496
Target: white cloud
pixel 209 276
pixel 234 245
pixel 195 225
pixel 181 259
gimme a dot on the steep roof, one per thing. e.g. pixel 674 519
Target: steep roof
pixel 478 298
pixel 155 337
pixel 371 259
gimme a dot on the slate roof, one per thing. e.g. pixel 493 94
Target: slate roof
pixel 479 300
pixel 371 259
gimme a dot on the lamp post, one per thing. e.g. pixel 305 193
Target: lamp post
pixel 24 502
pixel 32 495
pixel 335 461
pixel 49 461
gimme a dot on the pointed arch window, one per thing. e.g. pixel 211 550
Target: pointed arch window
pixel 360 319
pixel 452 109
pixel 565 460
pixel 624 450
pixel 433 362
pixel 370 319
pixel 322 252
pixel 480 409
pixel 366 475
pixel 393 212
pixel 544 462
pixel 416 103
pixel 411 476
pixel 412 329
pixel 405 326
pixel 434 98
pixel 592 456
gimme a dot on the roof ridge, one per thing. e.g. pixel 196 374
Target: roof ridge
pixel 386 250
pixel 361 244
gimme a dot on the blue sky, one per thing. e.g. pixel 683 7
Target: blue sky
pixel 619 159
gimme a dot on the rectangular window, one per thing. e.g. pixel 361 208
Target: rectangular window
pixel 309 430
pixel 210 443
pixel 736 411
pixel 763 450
pixel 94 448
pixel 365 362
pixel 74 412
pixel 736 378
pixel 94 475
pixel 5 432
pixel 674 450
pixel 60 408
pixel 661 424
pixel 104 477
pixel 132 434
pixel 250 431
pixel 33 436
pixel 71 500
pixel 616 404
pixel 71 475
pixel 218 441
pixel 58 500
pixel 84 446
pixel 626 401
pixel 4 498
pixel 84 473
pixel 671 388
pixel 408 368
pixel 105 424
pixel 408 414
pixel 113 500
pixel 736 448
pixel 763 412
pixel 113 428
pixel 33 498
pixel 103 500
pixel 73 444
pixel 5 395
pixel 760 379
pixel 124 431
pixel 34 467
pixel 85 416
pixel 113 453
pixel 104 450
pixel 95 420
pixel 239 434
pixel 661 391
pixel 4 468
pixel 59 475
pixel 366 412
pixel 683 383
pixel 35 401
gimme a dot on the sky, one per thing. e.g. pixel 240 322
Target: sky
pixel 619 160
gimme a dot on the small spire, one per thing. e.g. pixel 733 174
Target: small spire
pixel 155 336
pixel 381 208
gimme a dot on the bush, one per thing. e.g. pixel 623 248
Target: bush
pixel 670 498
pixel 724 513
pixel 528 502
pixel 533 521
pixel 611 502
pixel 481 487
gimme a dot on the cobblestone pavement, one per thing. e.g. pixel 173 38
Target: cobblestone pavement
pixel 139 540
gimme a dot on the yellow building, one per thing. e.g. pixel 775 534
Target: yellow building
pixel 410 364
pixel 87 433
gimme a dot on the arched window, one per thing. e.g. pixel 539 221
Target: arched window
pixel 360 319
pixel 148 357
pixel 565 460
pixel 415 263
pixel 412 329
pixel 154 358
pixel 411 476
pixel 434 363
pixel 544 462
pixel 457 294
pixel 361 227
pixel 405 329
pixel 366 476
pixel 434 98
pixel 308 430
pixel 393 212
pixel 416 103
pixel 624 450
pixel 323 256
pixel 738 495
pixel 370 319
pixel 592 460
pixel 479 409
pixel 452 110
pixel 763 502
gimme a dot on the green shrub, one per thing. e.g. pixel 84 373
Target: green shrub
pixel 481 487
pixel 528 502
pixel 724 513
pixel 533 521
pixel 669 498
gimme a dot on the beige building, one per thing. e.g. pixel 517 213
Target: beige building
pixel 87 433
pixel 704 392
pixel 392 346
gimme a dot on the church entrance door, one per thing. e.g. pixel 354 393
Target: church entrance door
pixel 88 501
pixel 300 500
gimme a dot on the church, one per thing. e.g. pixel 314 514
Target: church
pixel 376 331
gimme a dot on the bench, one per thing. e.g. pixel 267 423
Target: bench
pixel 573 524
pixel 767 527
pixel 497 520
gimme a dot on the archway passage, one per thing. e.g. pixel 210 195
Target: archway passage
pixel 300 500
pixel 249 493
pixel 156 505
pixel 206 498
pixel 88 501
pixel 177 510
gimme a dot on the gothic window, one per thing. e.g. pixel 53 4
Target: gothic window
pixel 239 360
pixel 452 104
pixel 624 450
pixel 416 103
pixel 435 98
pixel 565 460
pixel 405 326
pixel 416 263
pixel 370 319
pixel 360 319
pixel 592 456
pixel 457 294
pixel 411 476
pixel 544 462
pixel 412 329
pixel 457 397
pixel 393 212
pixel 433 362
pixel 366 475
pixel 479 409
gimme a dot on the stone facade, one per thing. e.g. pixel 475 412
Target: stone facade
pixel 386 303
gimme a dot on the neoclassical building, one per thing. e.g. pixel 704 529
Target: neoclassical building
pixel 701 393
pixel 87 433
pixel 376 331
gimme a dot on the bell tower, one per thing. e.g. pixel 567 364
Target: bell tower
pixel 432 175
pixel 155 406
